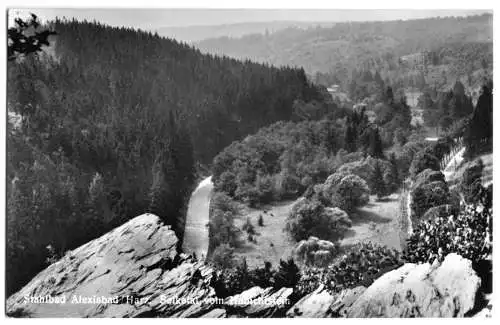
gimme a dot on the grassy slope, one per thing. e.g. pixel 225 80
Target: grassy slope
pixel 383 214
pixel 377 222
pixel 272 232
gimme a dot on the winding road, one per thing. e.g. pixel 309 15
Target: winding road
pixel 196 229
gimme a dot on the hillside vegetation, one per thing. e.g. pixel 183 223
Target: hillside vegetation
pixel 113 122
pixel 348 44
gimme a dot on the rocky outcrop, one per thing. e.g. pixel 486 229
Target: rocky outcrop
pixel 259 302
pixel 320 303
pixel 135 271
pixel 441 290
pixel 128 272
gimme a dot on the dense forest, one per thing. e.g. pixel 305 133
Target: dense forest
pixel 109 123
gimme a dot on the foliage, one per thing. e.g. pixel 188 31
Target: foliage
pixel 423 160
pixel 470 184
pixel 441 211
pixel 467 234
pixel 238 278
pixel 249 227
pixel 428 195
pixel 346 191
pixel 278 162
pixel 223 257
pixel 316 252
pixel 379 187
pixel 311 218
pixel 360 265
pixel 26 37
pixel 459 42
pixel 260 221
pixel 479 132
pixel 287 275
pixel 221 225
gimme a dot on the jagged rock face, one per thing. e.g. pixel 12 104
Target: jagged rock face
pixel 441 290
pixel 266 302
pixel 320 303
pixel 135 264
pixel 137 270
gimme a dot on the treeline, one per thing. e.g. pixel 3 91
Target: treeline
pixel 112 123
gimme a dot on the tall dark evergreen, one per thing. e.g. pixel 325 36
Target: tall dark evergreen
pixel 479 133
pixel 379 187
pixel 376 149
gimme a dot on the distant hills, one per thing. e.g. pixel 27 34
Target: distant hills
pixel 344 46
pixel 198 33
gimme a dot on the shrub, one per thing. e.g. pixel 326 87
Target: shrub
pixel 316 252
pixel 287 276
pixel 223 257
pixel 361 265
pixel 249 227
pixel 350 193
pixel 229 282
pixel 439 211
pixel 470 185
pixel 221 225
pixel 260 222
pixel 467 234
pixel 262 277
pixel 428 176
pixel 423 160
pixel 428 195
pixel 311 218
pixel 226 183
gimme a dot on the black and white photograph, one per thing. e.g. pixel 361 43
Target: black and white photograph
pixel 201 162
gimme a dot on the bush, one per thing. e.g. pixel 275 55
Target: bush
pixel 467 234
pixel 470 185
pixel 260 222
pixel 316 252
pixel 440 211
pixel 428 176
pixel 221 225
pixel 428 195
pixel 311 218
pixel 423 160
pixel 249 227
pixel 223 257
pixel 361 265
pixel 346 191
pixel 287 276
pixel 229 282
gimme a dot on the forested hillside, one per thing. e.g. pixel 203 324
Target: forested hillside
pixel 336 51
pixel 113 123
pixel 199 33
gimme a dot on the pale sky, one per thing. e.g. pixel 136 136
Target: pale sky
pixel 155 18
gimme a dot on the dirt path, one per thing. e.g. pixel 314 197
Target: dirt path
pixel 377 222
pixel 196 229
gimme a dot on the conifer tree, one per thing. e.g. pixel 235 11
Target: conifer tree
pixel 378 185
pixel 376 149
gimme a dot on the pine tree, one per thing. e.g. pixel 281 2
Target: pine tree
pixel 376 149
pixel 378 184
pixel 394 172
